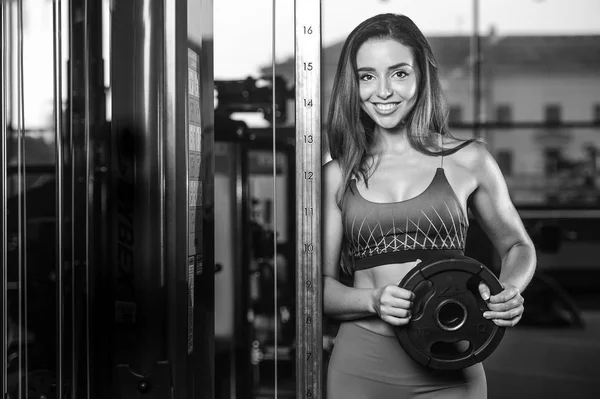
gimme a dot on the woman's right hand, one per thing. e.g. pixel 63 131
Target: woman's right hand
pixel 393 304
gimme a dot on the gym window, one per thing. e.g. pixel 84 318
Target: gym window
pixel 503 114
pixel 455 114
pixel 552 114
pixel 552 158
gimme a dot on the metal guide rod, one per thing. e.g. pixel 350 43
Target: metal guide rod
pixel 22 254
pixel 274 123
pixel 4 193
pixel 69 121
pixel 89 191
pixel 309 341
pixel 57 30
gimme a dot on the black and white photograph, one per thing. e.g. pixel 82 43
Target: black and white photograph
pixel 309 199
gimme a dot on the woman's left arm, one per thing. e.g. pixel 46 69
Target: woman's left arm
pixel 493 208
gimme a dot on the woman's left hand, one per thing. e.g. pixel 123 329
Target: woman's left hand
pixel 505 308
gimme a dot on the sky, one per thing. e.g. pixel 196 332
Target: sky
pixel 243 28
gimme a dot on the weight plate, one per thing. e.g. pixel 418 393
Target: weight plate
pixel 447 330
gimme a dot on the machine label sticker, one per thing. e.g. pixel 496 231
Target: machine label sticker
pixel 195 211
pixel 191 266
pixel 199 269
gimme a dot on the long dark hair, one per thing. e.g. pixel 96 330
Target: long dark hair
pixel 351 132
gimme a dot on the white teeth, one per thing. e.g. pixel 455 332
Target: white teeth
pixel 386 107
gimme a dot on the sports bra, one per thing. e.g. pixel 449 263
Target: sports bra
pixel 431 225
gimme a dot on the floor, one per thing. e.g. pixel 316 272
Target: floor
pixel 547 362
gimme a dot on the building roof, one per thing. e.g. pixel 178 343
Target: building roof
pixel 532 53
pixel 573 54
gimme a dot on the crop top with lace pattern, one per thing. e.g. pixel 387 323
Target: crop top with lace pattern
pixel 429 226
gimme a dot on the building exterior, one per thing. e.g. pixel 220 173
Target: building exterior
pixel 540 97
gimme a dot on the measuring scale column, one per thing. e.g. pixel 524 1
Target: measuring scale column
pixel 309 341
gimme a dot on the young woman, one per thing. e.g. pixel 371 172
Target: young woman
pixel 396 193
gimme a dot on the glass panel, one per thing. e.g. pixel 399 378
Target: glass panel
pixel 534 100
pixel 512 95
pixel 544 67
pixel 31 200
pixel 545 73
pixel 246 321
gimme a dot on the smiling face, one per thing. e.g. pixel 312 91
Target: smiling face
pixel 387 79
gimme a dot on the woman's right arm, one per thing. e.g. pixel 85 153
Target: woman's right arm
pixel 391 303
pixel 339 301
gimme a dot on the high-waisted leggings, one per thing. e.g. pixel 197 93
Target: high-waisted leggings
pixel 368 365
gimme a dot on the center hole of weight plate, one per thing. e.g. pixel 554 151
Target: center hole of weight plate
pixel 451 315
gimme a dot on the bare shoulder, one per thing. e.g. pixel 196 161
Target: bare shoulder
pixel 475 158
pixel 332 174
pixel 467 156
pixel 332 181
